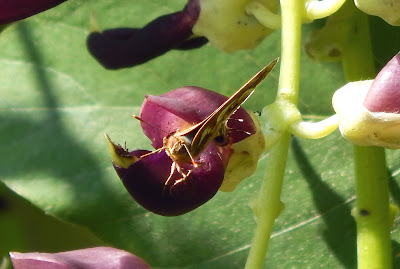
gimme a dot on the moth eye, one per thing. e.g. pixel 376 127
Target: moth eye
pixel 221 140
pixel 179 149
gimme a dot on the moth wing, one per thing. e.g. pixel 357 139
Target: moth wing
pixel 211 126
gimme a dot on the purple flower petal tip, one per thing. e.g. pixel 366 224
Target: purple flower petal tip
pixel 15 10
pixel 384 93
pixel 90 258
pixel 126 47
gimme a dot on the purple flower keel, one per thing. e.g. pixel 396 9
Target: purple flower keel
pixel 146 181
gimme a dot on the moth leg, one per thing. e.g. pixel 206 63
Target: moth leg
pixel 173 167
pixel 176 166
pixel 182 179
pixel 179 169
pixel 190 155
pixel 150 153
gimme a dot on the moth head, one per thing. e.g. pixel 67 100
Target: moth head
pixel 177 147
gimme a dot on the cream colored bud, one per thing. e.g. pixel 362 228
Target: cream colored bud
pixel 361 126
pixel 388 10
pixel 227 25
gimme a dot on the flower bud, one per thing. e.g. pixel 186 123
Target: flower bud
pixel 369 110
pixel 228 27
pixel 384 94
pixel 387 10
pixel 90 258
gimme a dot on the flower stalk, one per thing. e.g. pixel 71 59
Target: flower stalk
pixel 372 211
pixel 267 204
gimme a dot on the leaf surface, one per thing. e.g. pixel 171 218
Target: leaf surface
pixel 57 102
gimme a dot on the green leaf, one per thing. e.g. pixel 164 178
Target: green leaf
pixel 57 103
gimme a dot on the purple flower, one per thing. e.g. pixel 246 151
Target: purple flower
pixel 384 93
pixel 14 10
pixel 125 47
pixel 90 258
pixel 196 132
pixel 146 178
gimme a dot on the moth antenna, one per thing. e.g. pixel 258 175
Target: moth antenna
pixel 248 133
pixel 150 153
pixel 191 157
pixel 239 120
pixel 152 125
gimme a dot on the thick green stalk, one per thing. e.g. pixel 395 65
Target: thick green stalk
pixel 267 204
pixel 372 209
pixel 372 213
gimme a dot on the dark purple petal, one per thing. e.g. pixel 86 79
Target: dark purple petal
pixel 192 43
pixel 14 10
pixel 90 258
pixel 186 106
pixel 118 48
pixel 384 93
pixel 145 181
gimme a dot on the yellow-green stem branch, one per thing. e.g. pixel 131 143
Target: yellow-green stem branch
pixel 267 203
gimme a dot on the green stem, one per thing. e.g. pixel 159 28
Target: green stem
pixel 371 213
pixel 372 208
pixel 267 203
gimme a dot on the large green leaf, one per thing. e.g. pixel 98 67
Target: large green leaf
pixel 57 102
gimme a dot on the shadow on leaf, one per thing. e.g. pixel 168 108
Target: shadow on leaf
pixel 41 161
pixel 340 232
